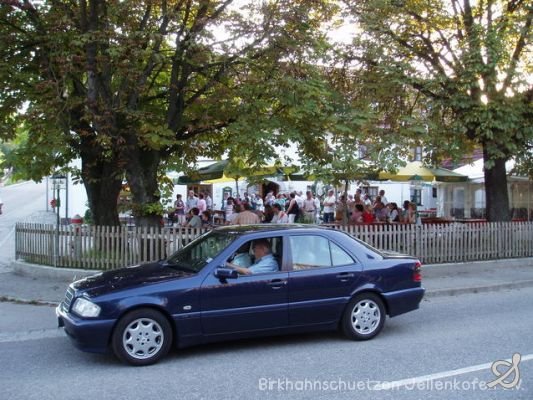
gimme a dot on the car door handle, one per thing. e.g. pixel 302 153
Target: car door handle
pixel 277 283
pixel 344 276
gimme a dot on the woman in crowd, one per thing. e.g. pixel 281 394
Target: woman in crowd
pixel 280 217
pixel 394 213
pixel 368 215
pixel 268 214
pixel 404 217
pixel 293 210
pixel 412 214
pixel 228 210
pixel 357 215
pixel 206 218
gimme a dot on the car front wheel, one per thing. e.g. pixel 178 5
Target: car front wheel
pixel 364 317
pixel 142 337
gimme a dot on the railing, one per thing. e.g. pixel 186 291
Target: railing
pixel 107 248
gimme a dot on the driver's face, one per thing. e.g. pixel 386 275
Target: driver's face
pixel 259 251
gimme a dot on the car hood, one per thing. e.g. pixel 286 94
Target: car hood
pixel 124 278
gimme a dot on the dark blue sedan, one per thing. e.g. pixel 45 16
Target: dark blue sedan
pixel 245 281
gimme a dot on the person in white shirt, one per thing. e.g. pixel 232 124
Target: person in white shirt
pixel 317 208
pixel 191 202
pixel 280 217
pixel 228 210
pixel 383 198
pixel 202 204
pixel 309 208
pixel 259 206
pixel 270 199
pixel 329 207
pixel 300 199
pixel 208 201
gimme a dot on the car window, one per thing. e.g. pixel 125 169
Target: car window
pixel 201 251
pixel 339 256
pixel 310 251
pixel 246 256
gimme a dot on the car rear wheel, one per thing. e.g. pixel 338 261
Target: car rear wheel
pixel 142 337
pixel 364 317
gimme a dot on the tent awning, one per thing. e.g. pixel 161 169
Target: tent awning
pixel 426 174
pixel 222 171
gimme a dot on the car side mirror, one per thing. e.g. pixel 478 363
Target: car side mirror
pixel 223 273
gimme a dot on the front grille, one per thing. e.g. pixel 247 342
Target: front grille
pixel 65 305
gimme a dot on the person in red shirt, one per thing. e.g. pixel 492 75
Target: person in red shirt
pixel 368 216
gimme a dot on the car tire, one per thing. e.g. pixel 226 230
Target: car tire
pixel 364 317
pixel 142 337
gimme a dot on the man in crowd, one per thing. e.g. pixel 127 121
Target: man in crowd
pixel 208 201
pixel 383 198
pixel 247 216
pixel 192 201
pixel 329 207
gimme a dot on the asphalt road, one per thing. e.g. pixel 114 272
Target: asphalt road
pixel 22 202
pixel 457 337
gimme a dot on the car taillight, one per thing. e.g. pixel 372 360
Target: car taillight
pixel 417 272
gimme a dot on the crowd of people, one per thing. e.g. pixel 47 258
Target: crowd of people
pixel 197 210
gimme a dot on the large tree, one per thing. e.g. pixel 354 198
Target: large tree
pixel 470 61
pixel 132 87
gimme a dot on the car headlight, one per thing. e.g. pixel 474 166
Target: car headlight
pixel 85 308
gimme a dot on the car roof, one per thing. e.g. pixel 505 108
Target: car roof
pixel 243 229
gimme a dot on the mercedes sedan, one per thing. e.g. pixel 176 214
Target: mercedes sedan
pixel 241 281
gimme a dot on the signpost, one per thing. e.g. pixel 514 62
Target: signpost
pixel 59 182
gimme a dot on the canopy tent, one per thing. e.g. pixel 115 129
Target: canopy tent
pixel 210 172
pixel 226 171
pixel 475 171
pixel 520 191
pixel 363 171
pixel 415 170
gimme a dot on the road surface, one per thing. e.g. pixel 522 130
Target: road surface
pixel 23 202
pixel 445 350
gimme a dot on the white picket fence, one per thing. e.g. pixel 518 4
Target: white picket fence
pixel 104 248
pixel 97 247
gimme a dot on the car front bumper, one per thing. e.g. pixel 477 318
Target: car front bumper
pixel 91 335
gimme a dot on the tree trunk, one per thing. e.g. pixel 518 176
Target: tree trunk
pixel 103 188
pixel 141 173
pixel 345 217
pixel 496 191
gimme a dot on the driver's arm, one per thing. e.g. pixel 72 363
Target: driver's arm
pixel 240 270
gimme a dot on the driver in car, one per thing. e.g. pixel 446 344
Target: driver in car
pixel 264 260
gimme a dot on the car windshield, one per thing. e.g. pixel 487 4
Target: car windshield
pixel 201 251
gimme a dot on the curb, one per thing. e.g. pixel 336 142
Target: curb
pixel 437 270
pixel 478 289
pixel 40 271
pixel 15 300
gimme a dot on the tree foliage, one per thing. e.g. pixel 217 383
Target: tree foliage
pixel 469 64
pixel 135 87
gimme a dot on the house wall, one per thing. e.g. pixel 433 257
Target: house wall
pixel 398 192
